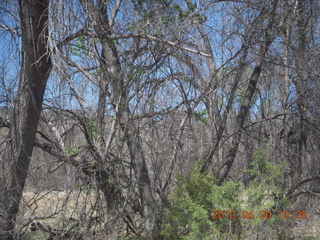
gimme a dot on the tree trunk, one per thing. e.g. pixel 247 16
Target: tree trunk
pixel 247 101
pixel 301 83
pixel 110 62
pixel 34 74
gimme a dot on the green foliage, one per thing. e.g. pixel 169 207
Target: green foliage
pixel 167 19
pixel 92 128
pixel 98 71
pixel 260 194
pixel 190 13
pixel 192 203
pixel 264 171
pixel 197 196
pixel 79 47
pixel 202 116
pixel 136 73
pixel 199 18
pixel 72 150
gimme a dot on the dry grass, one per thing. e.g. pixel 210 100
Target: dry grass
pixel 64 209
pixel 53 205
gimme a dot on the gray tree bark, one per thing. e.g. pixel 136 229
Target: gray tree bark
pixel 301 82
pixel 119 96
pixel 34 74
pixel 249 94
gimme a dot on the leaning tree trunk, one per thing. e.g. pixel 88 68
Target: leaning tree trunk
pixel 35 71
pixel 113 74
pixel 249 94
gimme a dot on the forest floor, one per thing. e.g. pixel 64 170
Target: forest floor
pixel 53 205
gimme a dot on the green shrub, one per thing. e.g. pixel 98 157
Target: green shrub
pixel 192 203
pixel 197 196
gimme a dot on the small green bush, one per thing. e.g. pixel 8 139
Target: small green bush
pixel 197 196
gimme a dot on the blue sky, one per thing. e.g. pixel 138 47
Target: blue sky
pixel 218 26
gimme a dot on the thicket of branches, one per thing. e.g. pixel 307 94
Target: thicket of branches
pixel 120 98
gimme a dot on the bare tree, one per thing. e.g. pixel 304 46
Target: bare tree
pixel 35 71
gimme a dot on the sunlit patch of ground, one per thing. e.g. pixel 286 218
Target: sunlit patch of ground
pixel 54 205
pixel 62 210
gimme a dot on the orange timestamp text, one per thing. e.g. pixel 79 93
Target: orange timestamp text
pixel 263 214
